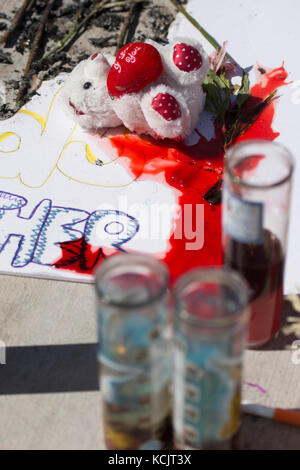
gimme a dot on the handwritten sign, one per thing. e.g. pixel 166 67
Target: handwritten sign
pixel 60 193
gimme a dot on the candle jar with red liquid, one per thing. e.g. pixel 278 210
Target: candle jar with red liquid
pixel 256 204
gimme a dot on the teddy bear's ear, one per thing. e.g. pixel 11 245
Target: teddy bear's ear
pixel 185 61
pixel 96 66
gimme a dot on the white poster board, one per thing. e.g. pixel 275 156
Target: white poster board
pixel 51 191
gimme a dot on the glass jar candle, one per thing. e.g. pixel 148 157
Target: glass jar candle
pixel 256 204
pixel 210 329
pixel 134 346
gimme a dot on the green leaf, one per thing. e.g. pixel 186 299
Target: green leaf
pixel 234 119
pixel 218 92
pixel 214 194
pixel 244 91
pixel 261 70
pixel 244 119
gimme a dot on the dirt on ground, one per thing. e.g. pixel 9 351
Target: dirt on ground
pixel 106 30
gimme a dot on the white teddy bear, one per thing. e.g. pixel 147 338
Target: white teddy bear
pixel 150 88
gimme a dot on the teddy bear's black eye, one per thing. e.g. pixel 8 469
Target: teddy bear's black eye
pixel 87 85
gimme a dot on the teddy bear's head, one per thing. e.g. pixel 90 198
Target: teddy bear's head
pixel 150 88
pixel 84 95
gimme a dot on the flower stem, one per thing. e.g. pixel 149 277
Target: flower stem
pixel 195 23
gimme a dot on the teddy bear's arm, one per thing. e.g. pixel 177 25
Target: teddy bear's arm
pixel 166 113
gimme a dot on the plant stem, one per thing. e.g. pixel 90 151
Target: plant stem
pixel 72 33
pixel 102 5
pixel 35 46
pixel 195 23
pixel 123 32
pixel 121 3
pixel 16 20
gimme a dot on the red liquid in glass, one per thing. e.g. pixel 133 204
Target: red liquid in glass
pixel 262 266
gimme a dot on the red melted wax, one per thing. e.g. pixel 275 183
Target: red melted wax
pixel 190 171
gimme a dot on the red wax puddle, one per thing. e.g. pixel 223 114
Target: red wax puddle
pixel 191 171
pixel 262 128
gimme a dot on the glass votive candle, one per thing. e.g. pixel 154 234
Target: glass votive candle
pixel 256 204
pixel 134 352
pixel 210 329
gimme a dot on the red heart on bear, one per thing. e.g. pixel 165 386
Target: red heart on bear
pixel 137 64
